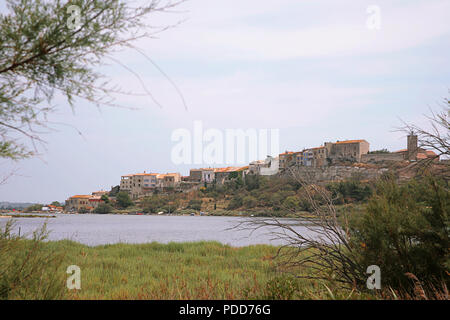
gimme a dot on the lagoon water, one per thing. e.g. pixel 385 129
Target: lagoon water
pixel 97 229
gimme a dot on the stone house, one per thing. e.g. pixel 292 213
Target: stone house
pixel 142 184
pixel 348 150
pixel 78 203
pixel 267 167
pixel 223 175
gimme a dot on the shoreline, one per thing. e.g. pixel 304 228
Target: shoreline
pixel 27 216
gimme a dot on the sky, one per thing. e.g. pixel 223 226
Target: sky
pixel 314 70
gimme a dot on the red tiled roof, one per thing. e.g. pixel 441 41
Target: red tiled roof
pixel 316 148
pixel 350 141
pixel 80 196
pixel 228 169
pixel 421 156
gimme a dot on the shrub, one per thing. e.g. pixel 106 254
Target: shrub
pixel 236 202
pixel 195 204
pixel 103 208
pixel 281 288
pixel 105 198
pixel 27 269
pixel 406 230
pixel 123 200
pixel 349 191
pixel 291 203
pixel 83 210
pixel 252 182
pixel 34 207
pixel 153 204
pixel 249 202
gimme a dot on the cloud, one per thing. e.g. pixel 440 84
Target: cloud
pixel 222 34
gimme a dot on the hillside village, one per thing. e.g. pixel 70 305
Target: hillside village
pixel 329 155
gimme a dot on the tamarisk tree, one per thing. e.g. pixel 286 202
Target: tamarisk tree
pixel 56 47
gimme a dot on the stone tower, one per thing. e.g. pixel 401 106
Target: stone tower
pixel 412 147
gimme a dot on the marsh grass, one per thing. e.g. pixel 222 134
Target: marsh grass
pixel 200 270
pixel 36 269
pixel 28 270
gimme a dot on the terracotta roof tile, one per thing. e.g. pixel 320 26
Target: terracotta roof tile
pixel 350 141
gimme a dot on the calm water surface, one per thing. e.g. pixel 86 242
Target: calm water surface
pixel 93 229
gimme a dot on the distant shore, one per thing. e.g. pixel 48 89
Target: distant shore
pixel 27 216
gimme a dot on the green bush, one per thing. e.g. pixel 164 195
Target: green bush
pixel 28 270
pixel 195 204
pixel 281 288
pixel 249 202
pixel 291 203
pixel 103 208
pixel 235 203
pixel 405 229
pixel 153 204
pixel 252 182
pixel 83 210
pixel 349 191
pixel 123 200
pixel 34 207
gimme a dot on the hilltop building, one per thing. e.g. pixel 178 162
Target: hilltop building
pixel 202 175
pixel 79 203
pixel 217 175
pixel 267 167
pixel 141 184
pixel 348 150
pixel 329 153
pixel 412 153
pixel 285 159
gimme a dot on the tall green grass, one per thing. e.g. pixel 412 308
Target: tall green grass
pixel 28 268
pixel 36 269
pixel 202 270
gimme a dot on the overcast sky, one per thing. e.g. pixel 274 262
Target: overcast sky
pixel 312 69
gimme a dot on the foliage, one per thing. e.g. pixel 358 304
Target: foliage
pixel 83 210
pixel 405 229
pixel 195 204
pixel 41 56
pixel 123 200
pixel 235 203
pixel 105 198
pixel 114 191
pixel 381 151
pixel 249 202
pixel 233 175
pixel 152 204
pixel 103 208
pixel 291 203
pixel 189 271
pixel 34 207
pixel 281 288
pixel 252 182
pixel 349 191
pixel 28 269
